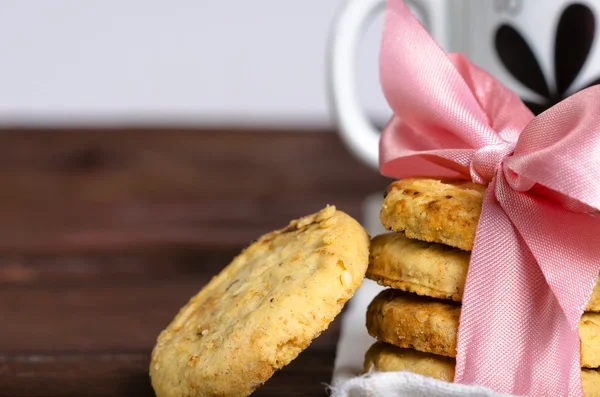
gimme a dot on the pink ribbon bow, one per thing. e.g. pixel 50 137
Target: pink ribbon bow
pixel 536 256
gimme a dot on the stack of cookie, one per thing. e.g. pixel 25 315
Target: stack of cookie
pixel 425 263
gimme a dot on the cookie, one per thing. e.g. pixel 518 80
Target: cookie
pixel 427 269
pixel 590 379
pixel 589 332
pixel 431 326
pixel 411 321
pixel 387 358
pixel 594 303
pixel 433 211
pixel 263 309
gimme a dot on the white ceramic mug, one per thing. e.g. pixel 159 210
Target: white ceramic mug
pixel 544 50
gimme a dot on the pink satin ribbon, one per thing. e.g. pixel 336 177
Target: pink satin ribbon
pixel 536 257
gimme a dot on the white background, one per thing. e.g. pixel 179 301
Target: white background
pixel 201 62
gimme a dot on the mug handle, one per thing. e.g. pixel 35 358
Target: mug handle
pixel 359 135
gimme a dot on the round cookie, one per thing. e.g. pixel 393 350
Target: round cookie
pixel 427 269
pixel 431 326
pixel 589 332
pixel 387 358
pixel 433 211
pixel 263 309
pixel 384 357
pixel 590 380
pixel 594 303
pixel 411 321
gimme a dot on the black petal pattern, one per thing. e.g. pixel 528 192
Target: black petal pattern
pixel 574 39
pixel 519 59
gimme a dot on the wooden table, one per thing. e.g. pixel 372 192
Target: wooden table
pixel 105 234
pixel 87 326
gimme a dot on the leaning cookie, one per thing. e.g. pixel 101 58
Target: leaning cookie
pixel 263 309
pixel 433 211
pixel 387 358
pixel 431 326
pixel 427 269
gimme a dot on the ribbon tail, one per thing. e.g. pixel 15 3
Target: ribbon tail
pixel 570 269
pixel 511 322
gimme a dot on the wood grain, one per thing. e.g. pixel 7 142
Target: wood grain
pixel 97 189
pixel 126 374
pixel 95 340
pixel 84 324
pixel 105 234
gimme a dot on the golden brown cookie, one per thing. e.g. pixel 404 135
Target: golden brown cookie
pixel 263 309
pixel 589 332
pixel 384 357
pixel 411 321
pixel 433 211
pixel 594 303
pixel 427 269
pixel 431 326
pixel 590 378
pixel 387 358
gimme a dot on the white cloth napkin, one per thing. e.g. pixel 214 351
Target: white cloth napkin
pixel 353 343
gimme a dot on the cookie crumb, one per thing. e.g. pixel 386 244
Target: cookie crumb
pixel 331 222
pixel 326 213
pixel 328 239
pixel 346 278
pixel 192 361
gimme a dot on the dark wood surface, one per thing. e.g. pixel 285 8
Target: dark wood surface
pixel 105 234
